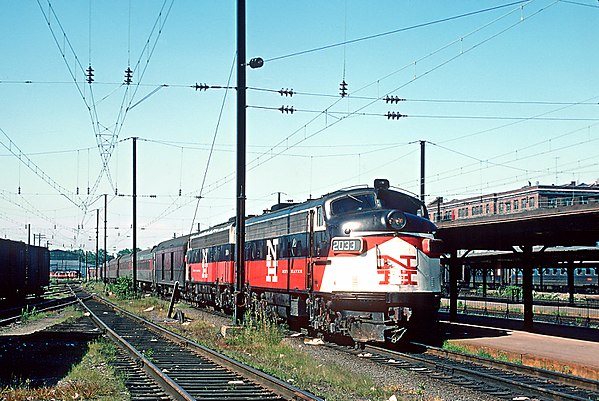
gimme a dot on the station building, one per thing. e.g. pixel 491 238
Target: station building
pixel 519 200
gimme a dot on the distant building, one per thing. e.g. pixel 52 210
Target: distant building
pixel 68 261
pixel 524 199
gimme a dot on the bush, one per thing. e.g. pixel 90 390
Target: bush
pixel 513 291
pixel 123 288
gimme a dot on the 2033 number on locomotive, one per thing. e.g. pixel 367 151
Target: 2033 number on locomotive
pixel 347 245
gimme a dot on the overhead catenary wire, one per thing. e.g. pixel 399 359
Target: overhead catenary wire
pixel 12 147
pixel 216 130
pixel 287 152
pixel 432 116
pixel 257 161
pixel 378 35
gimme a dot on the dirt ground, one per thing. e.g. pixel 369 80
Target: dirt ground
pixel 40 352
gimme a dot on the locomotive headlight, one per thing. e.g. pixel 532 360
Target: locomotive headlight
pixel 396 220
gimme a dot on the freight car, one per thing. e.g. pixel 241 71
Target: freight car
pixel 24 269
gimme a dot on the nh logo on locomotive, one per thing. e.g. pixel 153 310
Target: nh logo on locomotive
pixel 394 271
pixel 205 263
pixel 271 260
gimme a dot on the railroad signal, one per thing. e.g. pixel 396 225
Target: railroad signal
pixel 89 73
pixel 200 87
pixel 286 109
pixel 343 88
pixel 286 92
pixel 393 99
pixel 394 116
pixel 128 76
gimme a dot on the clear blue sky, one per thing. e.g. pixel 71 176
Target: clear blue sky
pixel 504 93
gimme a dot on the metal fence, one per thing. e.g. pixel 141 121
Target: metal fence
pixel 584 313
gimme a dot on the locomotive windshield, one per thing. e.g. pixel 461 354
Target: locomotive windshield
pixel 354 203
pixel 396 200
pixel 383 198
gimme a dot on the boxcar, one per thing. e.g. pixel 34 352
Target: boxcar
pixel 24 269
pixel 38 269
pixel 12 268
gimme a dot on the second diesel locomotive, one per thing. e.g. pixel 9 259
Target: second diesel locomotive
pixel 361 262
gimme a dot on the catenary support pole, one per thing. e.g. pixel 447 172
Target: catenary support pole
pixel 134 257
pixel 105 251
pixel 422 143
pixel 97 242
pixel 241 149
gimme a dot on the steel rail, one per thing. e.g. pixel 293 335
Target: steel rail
pixel 280 387
pixel 440 363
pixel 60 303
pixel 544 374
pixel 170 387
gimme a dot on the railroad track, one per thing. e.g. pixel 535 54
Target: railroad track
pixel 184 370
pixel 500 379
pixel 60 298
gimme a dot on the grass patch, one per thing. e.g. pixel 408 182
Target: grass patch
pixel 92 379
pixel 28 315
pixel 482 352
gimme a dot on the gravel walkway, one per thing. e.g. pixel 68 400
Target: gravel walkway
pixel 410 385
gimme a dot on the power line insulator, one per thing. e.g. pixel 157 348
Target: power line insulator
pixel 394 116
pixel 256 62
pixel 89 74
pixel 286 109
pixel 393 99
pixel 128 76
pixel 286 92
pixel 343 88
pixel 200 87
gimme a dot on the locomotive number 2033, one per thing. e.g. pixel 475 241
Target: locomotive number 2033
pixel 347 245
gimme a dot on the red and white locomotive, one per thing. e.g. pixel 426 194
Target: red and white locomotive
pixel 361 262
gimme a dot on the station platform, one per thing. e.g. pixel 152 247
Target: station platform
pixel 565 349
